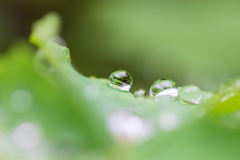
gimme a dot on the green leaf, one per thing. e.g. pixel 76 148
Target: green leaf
pixel 74 110
pixel 44 29
pixel 188 114
pixel 64 116
pixel 108 100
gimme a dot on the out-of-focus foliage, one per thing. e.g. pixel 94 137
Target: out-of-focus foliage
pixel 45 29
pixel 192 42
pixel 66 115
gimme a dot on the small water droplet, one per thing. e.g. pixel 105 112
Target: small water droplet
pixel 164 88
pixel 140 94
pixel 190 94
pixel 121 80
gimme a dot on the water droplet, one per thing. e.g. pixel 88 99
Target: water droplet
pixel 190 94
pixel 121 80
pixel 164 88
pixel 140 94
pixel 22 101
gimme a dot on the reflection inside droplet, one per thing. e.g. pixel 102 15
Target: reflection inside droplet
pixel 169 94
pixel 190 94
pixel 161 85
pixel 120 80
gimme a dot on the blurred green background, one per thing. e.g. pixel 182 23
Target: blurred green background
pixel 191 42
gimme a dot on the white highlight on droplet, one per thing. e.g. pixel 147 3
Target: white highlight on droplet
pixel 191 89
pixel 22 101
pixel 168 121
pixel 125 125
pixel 92 92
pixel 169 94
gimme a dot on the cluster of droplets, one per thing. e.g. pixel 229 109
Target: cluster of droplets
pixel 161 89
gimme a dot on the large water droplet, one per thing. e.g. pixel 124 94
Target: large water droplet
pixel 140 94
pixel 164 88
pixel 190 94
pixel 121 80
